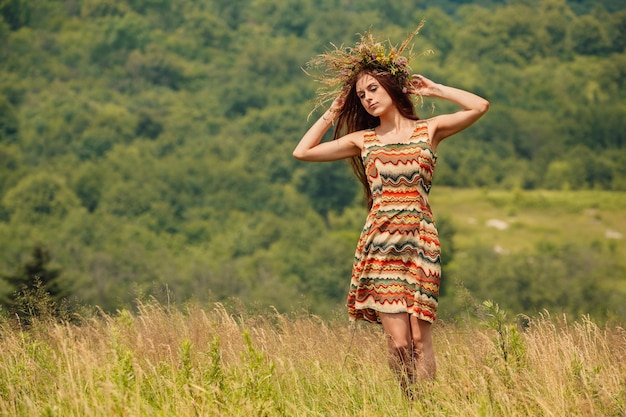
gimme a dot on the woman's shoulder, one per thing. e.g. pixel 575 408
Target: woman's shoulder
pixel 358 137
pixel 359 134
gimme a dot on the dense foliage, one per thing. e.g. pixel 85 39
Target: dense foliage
pixel 146 144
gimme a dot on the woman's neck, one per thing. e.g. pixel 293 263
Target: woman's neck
pixel 393 122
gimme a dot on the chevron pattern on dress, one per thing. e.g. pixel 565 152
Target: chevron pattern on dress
pixel 397 260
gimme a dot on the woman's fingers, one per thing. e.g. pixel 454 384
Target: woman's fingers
pixel 417 83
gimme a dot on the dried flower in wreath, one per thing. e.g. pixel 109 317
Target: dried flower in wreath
pixel 339 67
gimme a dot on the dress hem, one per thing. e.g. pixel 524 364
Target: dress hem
pixel 356 314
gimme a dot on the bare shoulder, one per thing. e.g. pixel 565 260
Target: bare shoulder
pixel 431 122
pixel 354 138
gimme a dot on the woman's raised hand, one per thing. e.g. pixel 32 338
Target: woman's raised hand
pixel 423 86
pixel 335 108
pixel 337 103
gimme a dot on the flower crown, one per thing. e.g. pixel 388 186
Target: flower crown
pixel 342 65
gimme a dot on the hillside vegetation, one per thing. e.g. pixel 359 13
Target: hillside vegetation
pixel 145 150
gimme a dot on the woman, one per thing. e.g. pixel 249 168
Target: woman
pixel 396 272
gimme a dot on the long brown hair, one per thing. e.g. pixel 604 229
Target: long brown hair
pixel 353 117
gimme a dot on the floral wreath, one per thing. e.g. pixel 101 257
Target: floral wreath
pixel 342 65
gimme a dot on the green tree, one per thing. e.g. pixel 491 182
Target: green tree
pixel 156 66
pixel 9 125
pixel 111 124
pixel 561 174
pixel 35 275
pixel 117 37
pixel 329 186
pixel 590 36
pixel 11 167
pixel 88 185
pixel 15 12
pixel 40 198
pixel 555 277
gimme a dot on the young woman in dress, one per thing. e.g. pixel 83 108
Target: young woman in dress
pixel 396 272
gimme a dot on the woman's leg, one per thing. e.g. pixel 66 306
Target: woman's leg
pixel 424 351
pixel 410 347
pixel 397 327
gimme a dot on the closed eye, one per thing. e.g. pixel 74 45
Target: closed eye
pixel 371 88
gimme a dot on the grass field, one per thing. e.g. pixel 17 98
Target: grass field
pixel 209 362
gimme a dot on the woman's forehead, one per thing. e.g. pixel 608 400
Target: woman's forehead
pixel 364 80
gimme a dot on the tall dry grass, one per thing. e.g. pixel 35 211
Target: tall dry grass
pixel 163 361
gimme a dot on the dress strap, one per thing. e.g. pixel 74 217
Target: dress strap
pixel 421 128
pixel 369 138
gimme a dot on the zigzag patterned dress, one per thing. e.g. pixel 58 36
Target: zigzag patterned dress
pixel 397 261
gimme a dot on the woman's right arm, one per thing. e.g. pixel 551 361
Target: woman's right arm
pixel 311 148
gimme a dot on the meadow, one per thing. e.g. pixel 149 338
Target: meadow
pixel 223 361
pixel 520 221
pixel 533 216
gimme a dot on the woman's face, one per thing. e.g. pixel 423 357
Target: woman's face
pixel 373 96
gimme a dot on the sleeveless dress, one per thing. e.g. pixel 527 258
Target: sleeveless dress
pixel 397 261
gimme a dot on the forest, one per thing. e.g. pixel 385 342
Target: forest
pixel 145 150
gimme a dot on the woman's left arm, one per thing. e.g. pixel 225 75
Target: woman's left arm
pixel 442 126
